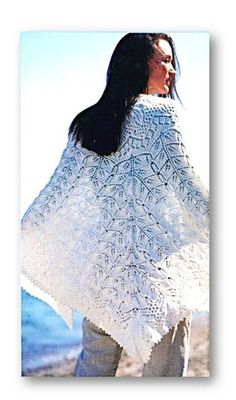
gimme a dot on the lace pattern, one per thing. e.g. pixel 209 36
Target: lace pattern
pixel 124 238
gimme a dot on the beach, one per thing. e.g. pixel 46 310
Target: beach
pixel 198 357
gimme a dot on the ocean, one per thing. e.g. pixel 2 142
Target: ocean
pixel 45 337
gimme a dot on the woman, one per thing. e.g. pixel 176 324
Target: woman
pixel 120 232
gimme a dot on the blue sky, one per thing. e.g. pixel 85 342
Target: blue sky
pixel 64 72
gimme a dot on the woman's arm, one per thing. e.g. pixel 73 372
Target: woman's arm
pixel 173 164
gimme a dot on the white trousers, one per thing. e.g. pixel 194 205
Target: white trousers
pixel 101 354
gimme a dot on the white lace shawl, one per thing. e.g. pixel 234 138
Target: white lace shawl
pixel 123 238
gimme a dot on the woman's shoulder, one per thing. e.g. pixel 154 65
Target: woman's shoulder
pixel 157 102
pixel 152 104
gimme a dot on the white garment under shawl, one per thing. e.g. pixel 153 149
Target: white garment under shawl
pixel 123 238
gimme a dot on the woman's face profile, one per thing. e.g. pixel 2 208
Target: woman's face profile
pixel 161 71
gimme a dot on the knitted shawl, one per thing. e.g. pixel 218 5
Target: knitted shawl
pixel 123 238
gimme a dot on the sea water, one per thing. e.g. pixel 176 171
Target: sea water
pixel 45 337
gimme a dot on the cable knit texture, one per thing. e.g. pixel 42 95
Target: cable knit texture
pixel 123 238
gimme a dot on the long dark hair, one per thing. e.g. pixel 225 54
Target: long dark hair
pixel 98 128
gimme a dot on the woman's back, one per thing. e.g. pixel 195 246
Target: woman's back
pixel 114 236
